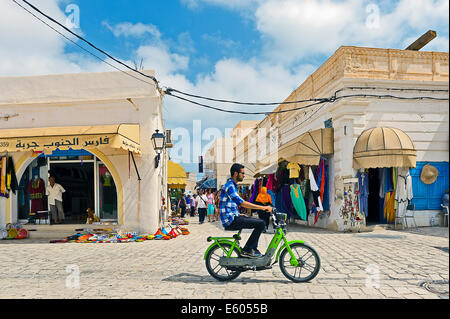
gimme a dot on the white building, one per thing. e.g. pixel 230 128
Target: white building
pixel 370 75
pixel 99 122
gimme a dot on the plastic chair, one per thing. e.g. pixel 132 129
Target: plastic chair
pixel 445 214
pixel 411 208
pixel 409 214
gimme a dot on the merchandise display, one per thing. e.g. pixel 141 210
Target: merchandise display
pixel 13 231
pixel 88 235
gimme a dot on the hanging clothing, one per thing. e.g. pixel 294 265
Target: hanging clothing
pixel 382 177
pixel 254 191
pixel 315 191
pixel 404 191
pixel 298 201
pixel 270 180
pixel 10 179
pixel 294 170
pixel 272 196
pixel 3 191
pixel 363 181
pixel 321 177
pixel 287 202
pixel 36 189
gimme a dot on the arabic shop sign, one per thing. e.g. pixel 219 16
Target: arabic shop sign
pixel 55 142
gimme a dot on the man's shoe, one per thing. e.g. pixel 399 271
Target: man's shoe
pixel 257 253
pixel 247 254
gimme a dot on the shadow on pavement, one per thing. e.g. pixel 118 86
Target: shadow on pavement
pixel 194 278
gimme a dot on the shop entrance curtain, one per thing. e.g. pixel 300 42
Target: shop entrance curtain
pixel 308 147
pixel 384 147
pixel 120 136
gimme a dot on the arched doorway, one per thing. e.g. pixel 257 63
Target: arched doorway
pixel 87 181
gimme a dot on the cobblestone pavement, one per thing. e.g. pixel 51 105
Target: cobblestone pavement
pixel 379 264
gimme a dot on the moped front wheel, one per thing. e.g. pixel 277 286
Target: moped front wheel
pixel 217 271
pixel 303 267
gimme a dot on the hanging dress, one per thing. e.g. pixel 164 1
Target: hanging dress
pixel 316 195
pixel 298 201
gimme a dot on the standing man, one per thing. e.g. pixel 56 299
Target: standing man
pixel 233 220
pixel 182 205
pixel 54 192
pixel 201 205
pixel 188 204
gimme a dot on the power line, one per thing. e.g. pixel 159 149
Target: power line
pixel 81 47
pixel 325 100
pixel 86 41
pixel 170 90
pixel 243 112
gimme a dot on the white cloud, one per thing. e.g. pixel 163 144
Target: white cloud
pixel 297 29
pixel 28 47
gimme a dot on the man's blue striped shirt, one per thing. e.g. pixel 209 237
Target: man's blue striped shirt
pixel 229 202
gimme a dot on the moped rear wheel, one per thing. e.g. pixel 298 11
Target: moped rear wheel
pixel 217 271
pixel 308 263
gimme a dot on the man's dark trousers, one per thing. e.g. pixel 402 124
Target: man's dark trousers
pixel 201 214
pixel 245 222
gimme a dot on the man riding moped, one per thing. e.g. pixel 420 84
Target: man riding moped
pixel 233 220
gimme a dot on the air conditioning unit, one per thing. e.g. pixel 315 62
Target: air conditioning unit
pixel 169 140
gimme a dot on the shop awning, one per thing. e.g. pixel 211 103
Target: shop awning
pixel 268 169
pixel 384 147
pixel 308 147
pixel 176 175
pixel 120 136
pixel 210 183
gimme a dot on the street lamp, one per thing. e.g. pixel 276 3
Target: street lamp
pixel 158 141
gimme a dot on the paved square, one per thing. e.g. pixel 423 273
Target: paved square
pixel 379 264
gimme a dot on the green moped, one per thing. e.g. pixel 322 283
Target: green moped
pixel 298 261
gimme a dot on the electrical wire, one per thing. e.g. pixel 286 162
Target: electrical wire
pixel 170 90
pixel 325 100
pixel 243 112
pixel 86 41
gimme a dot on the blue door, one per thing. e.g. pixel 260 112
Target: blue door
pixel 428 197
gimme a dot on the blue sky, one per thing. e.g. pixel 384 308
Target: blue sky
pixel 251 50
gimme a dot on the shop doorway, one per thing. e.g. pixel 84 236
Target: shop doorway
pixel 86 179
pixel 78 181
pixel 374 208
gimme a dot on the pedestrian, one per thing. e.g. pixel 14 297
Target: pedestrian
pixel 216 206
pixel 193 204
pixel 188 204
pixel 201 205
pixel 54 192
pixel 210 205
pixel 182 205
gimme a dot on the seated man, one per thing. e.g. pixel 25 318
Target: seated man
pixel 232 219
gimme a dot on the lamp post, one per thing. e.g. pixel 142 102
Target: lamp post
pixel 158 141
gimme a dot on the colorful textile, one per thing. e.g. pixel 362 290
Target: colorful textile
pixel 297 201
pixel 36 190
pixel 287 201
pixel 363 181
pixel 294 170
pixel 270 180
pixel 3 191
